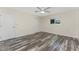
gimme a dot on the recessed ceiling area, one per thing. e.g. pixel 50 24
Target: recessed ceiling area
pixel 52 10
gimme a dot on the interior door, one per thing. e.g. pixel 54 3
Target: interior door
pixel 7 27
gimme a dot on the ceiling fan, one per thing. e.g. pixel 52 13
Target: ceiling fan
pixel 42 10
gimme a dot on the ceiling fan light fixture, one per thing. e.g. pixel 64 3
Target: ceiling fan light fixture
pixel 42 12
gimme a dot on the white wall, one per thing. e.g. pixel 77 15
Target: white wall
pixel 23 23
pixel 7 24
pixel 69 24
pixel 27 24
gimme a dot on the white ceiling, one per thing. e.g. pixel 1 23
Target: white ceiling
pixel 52 10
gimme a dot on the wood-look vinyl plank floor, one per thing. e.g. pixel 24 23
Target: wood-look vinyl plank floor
pixel 41 41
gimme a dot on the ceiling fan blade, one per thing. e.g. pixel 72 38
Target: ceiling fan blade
pixel 47 8
pixel 39 8
pixel 42 9
pixel 37 11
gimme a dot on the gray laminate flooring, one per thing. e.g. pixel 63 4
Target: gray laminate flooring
pixel 41 41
